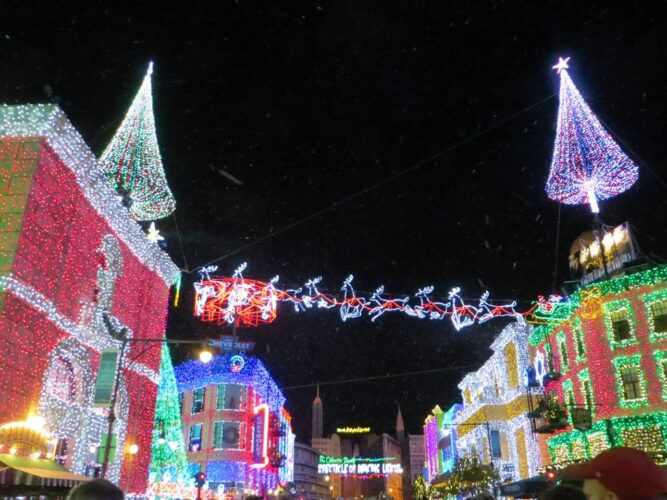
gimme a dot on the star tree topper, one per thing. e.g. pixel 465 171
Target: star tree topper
pixel 153 234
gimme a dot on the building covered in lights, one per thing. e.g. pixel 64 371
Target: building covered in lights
pixel 440 448
pixel 493 422
pixel 76 273
pixel 608 355
pixel 235 425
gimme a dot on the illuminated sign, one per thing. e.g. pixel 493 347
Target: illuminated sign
pixel 357 466
pixel 260 440
pixel 227 343
pixel 353 430
pixel 106 377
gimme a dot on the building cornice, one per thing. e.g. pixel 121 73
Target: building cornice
pixel 49 122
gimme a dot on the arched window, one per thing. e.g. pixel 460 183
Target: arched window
pixel 62 384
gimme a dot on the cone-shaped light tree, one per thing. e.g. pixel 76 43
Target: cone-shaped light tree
pixel 587 165
pixel 131 161
pixel 169 463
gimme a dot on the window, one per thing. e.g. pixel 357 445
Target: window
pixel 194 444
pixel 632 388
pixel 587 391
pixel 495 444
pixel 60 454
pixel 659 314
pixel 571 403
pixel 663 366
pixel 579 341
pixel 230 397
pixel 549 357
pixel 620 324
pixel 562 351
pixel 227 435
pixel 198 400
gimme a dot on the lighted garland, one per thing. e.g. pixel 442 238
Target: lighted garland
pixel 249 302
pixel 587 165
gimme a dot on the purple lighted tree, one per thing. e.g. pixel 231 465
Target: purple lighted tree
pixel 587 165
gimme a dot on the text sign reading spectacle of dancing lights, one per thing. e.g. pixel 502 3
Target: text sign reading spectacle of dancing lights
pixel 248 302
pixel 359 467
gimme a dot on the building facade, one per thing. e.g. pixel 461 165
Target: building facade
pixel 235 426
pixel 330 447
pixel 608 355
pixel 76 274
pixel 309 484
pixel 413 460
pixel 493 422
pixel 440 448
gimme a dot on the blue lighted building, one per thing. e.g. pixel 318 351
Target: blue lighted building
pixel 235 425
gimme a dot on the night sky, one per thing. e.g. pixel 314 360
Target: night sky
pixel 308 103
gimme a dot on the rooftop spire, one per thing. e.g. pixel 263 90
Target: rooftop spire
pixel 400 427
pixel 318 415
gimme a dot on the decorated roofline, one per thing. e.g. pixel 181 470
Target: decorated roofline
pixel 602 289
pixel 224 369
pixel 510 333
pixel 50 122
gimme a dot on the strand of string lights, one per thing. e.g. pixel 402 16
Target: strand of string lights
pixel 380 377
pixel 377 184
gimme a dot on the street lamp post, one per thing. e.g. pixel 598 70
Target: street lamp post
pixel 114 394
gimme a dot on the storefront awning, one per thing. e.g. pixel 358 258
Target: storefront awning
pixel 35 474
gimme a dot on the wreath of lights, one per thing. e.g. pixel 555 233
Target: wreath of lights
pixel 587 165
pixel 237 363
pixel 241 301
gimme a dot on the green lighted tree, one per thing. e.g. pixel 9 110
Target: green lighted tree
pixel 470 477
pixel 422 490
pixel 169 462
pixel 131 161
